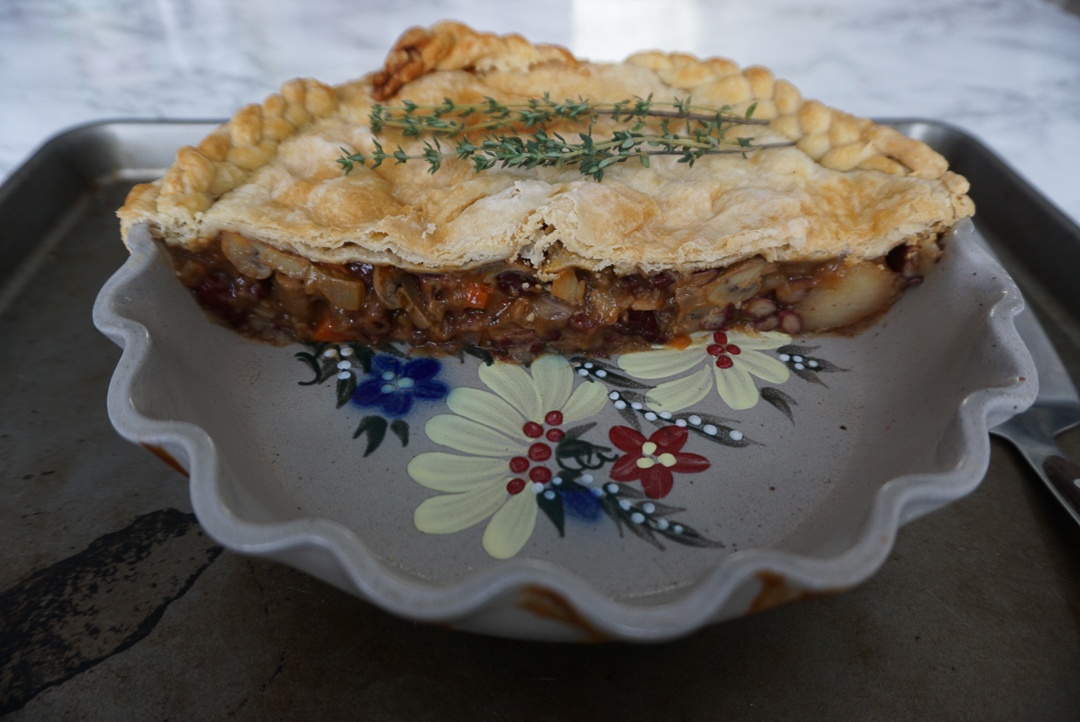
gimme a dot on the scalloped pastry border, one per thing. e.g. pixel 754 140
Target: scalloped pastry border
pixel 227 157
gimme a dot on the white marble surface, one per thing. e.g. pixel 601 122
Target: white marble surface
pixel 1007 71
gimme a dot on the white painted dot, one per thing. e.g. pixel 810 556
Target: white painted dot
pixel 537 487
pixel 637 406
pixel 797 359
pixel 611 488
pixel 624 505
pixel 661 524
pixel 346 351
pixel 735 435
pixel 680 423
pixel 678 528
pixel 556 480
pixel 588 364
pixel 330 353
pixel 344 375
pixel 648 507
pixel 388 375
pixel 344 365
pixel 784 357
pixel 587 479
pixel 813 364
pixel 637 517
pixel 406 383
pixel 601 373
pixel 582 372
pixel 709 429
pixel 650 416
pixel 665 414
pixel 694 419
pixel 620 404
pixel 597 491
pixel 799 367
pixel 613 395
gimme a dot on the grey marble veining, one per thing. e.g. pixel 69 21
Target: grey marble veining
pixel 1007 71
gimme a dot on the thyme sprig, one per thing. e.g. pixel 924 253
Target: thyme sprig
pixel 414 120
pixel 704 132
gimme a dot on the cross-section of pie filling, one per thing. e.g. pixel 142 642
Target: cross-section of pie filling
pixel 504 307
pixel 813 220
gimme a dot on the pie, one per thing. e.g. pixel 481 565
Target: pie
pixel 818 224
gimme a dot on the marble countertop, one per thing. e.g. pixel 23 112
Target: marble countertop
pixel 1005 71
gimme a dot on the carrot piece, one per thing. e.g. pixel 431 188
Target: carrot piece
pixel 477 295
pixel 325 332
pixel 680 342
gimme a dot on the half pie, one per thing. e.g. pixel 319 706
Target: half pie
pixel 821 228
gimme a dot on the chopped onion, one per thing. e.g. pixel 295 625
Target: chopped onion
pixel 345 293
pixel 286 263
pixel 568 287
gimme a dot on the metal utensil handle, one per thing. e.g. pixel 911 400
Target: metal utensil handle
pixel 1064 476
pixel 1046 459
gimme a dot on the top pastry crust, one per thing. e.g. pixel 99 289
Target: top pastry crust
pixel 846 188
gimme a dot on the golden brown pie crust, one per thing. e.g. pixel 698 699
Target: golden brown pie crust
pixel 847 188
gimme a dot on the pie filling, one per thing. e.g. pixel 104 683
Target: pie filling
pixel 502 307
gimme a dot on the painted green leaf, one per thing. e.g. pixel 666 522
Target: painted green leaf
pixel 375 428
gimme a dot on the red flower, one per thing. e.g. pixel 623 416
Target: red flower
pixel 653 460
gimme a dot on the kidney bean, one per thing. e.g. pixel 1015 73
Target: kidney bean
pixel 645 325
pixel 217 294
pixel 516 283
pixel 661 280
pixel 790 322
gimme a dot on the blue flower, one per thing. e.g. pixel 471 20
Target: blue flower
pixel 393 383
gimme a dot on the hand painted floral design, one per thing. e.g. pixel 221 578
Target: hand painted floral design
pixel 506 439
pixel 653 461
pixel 725 360
pixel 520 448
pixel 393 384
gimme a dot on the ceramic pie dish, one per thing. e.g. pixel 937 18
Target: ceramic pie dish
pixel 661 492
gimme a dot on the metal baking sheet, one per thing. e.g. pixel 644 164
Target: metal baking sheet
pixel 114 604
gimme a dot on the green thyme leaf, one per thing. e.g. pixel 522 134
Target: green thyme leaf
pixel 704 133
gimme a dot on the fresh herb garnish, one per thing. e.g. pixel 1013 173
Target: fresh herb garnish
pixel 471 132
